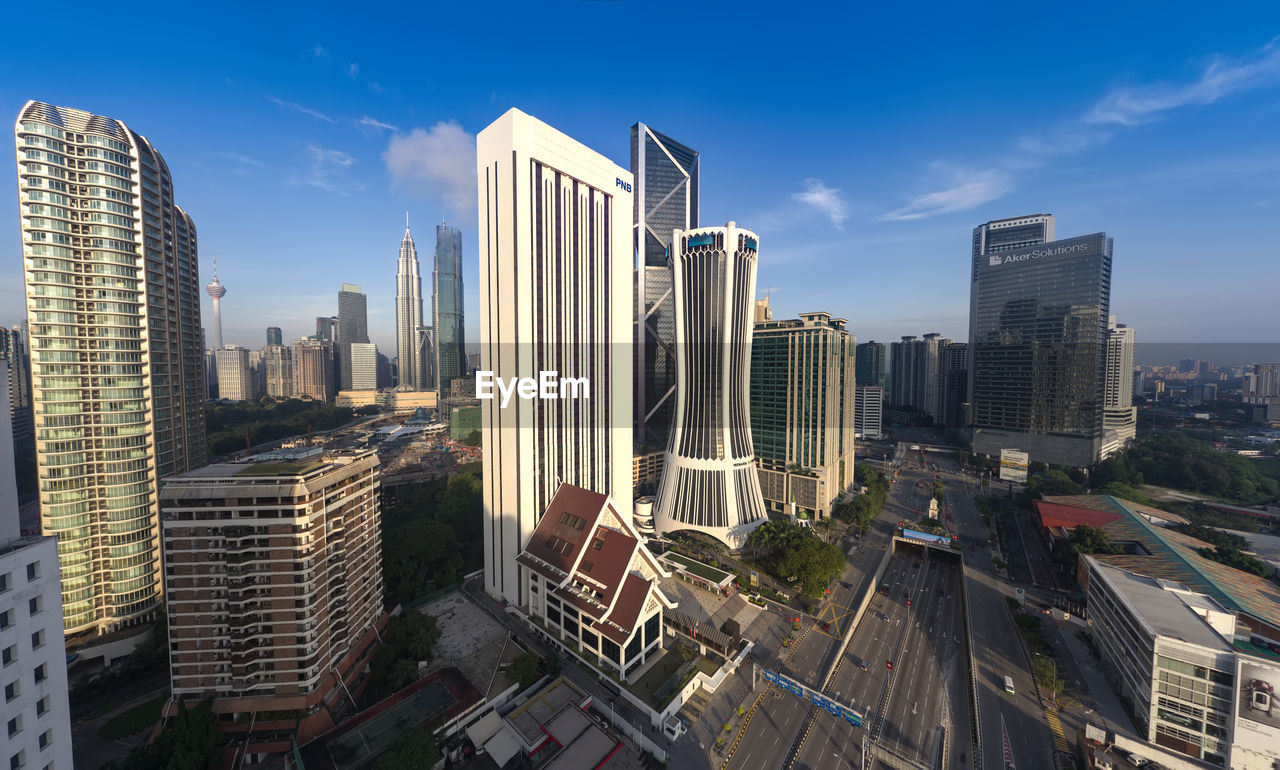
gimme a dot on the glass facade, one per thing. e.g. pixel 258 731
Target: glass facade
pixel 870 364
pixel 1039 332
pixel 446 308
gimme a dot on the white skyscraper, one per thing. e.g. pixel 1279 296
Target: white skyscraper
pixel 555 296
pixel 1119 415
pixel 409 314
pixel 709 482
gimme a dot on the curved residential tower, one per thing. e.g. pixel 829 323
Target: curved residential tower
pixel 709 482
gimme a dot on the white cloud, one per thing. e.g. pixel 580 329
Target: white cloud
pixel 300 108
pixel 377 88
pixel 439 161
pixel 328 170
pixel 826 200
pixel 1133 105
pixel 241 158
pixel 375 124
pixel 967 189
pixel 319 52
pixel 353 70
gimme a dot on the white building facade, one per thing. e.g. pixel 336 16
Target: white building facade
pixel 1119 415
pixel 555 296
pixel 868 411
pixel 709 481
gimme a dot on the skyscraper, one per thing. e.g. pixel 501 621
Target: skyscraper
pixel 277 364
pixel 353 327
pixel 235 381
pixel 868 416
pixel 327 328
pixel 313 369
pixel 802 411
pixel 1039 349
pixel 953 383
pixel 275 336
pixel 709 480
pixel 13 349
pixel 361 369
pixel 1119 415
pixel 666 175
pixel 216 292
pixel 870 364
pixel 561 305
pixel 125 402
pixel 449 338
pixel 913 369
pixel 408 315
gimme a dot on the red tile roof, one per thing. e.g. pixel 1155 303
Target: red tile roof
pixel 1069 516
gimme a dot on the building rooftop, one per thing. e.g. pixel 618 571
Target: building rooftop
pixel 1171 555
pixel 1164 605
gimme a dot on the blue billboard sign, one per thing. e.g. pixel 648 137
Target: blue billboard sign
pixel 828 705
pixel 927 537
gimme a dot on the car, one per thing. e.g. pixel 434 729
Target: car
pixel 826 626
pixel 862 664
pixel 884 589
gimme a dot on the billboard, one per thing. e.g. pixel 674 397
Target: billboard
pixel 927 537
pixel 1257 714
pixel 1013 465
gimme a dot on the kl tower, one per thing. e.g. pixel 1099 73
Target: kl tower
pixel 216 291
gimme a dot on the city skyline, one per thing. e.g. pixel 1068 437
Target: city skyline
pixel 1163 145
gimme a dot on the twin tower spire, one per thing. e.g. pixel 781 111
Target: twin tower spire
pixel 430 355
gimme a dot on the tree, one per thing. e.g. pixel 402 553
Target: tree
pixel 525 668
pixel 413 749
pixel 408 638
pixel 1046 674
pixel 1086 539
pixel 190 741
pixel 473 438
pixel 792 552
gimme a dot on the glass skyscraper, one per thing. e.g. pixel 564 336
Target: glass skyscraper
pixel 113 311
pixel 446 308
pixel 870 364
pixel 353 328
pixel 666 176
pixel 1039 349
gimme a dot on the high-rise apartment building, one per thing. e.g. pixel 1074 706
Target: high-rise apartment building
pixel 913 374
pixel 113 311
pixel 667 175
pixel 1119 415
pixel 870 364
pixel 448 336
pixel 1262 380
pixel 240 634
pixel 709 481
pixel 953 383
pixel 313 370
pixel 277 371
pixel 235 378
pixel 1038 350
pixel 868 415
pixel 13 350
pixel 550 304
pixel 275 336
pixel 36 706
pixel 408 315
pixel 802 411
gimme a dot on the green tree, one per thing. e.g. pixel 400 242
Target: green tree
pixel 413 749
pixel 190 741
pixel 408 638
pixel 525 668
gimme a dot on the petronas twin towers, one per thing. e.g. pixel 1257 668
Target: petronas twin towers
pixel 430 356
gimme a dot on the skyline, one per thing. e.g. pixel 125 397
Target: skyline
pixel 1162 143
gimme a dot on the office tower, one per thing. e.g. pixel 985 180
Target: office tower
pixel 277 365
pixel 353 326
pixel 115 337
pixel 36 706
pixel 313 369
pixel 211 375
pixel 408 314
pixel 1039 349
pixel 448 335
pixel 913 370
pixel 1189 366
pixel 902 372
pixel 559 305
pixel 868 415
pixel 709 480
pixel 870 364
pixel 763 311
pixel 386 378
pixel 216 292
pixel 274 336
pixel 666 175
pixel 802 411
pixel 1119 415
pixel 235 379
pixel 13 350
pixel 953 383
pixel 327 328
pixel 361 371
pixel 231 531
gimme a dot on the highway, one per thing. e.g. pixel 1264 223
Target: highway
pixel 997 649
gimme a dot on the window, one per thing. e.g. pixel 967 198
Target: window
pixel 577 522
pixel 42 706
pixel 35 605
pixel 597 544
pixel 15 725
pixel 6 581
pixel 33 571
pixel 40 673
pixel 6 619
pixel 46 738
pixel 9 654
pixel 18 761
pixel 11 691
pixel 37 639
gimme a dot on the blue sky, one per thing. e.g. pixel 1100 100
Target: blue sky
pixel 862 144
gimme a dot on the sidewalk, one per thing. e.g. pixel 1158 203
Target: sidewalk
pixel 1097 701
